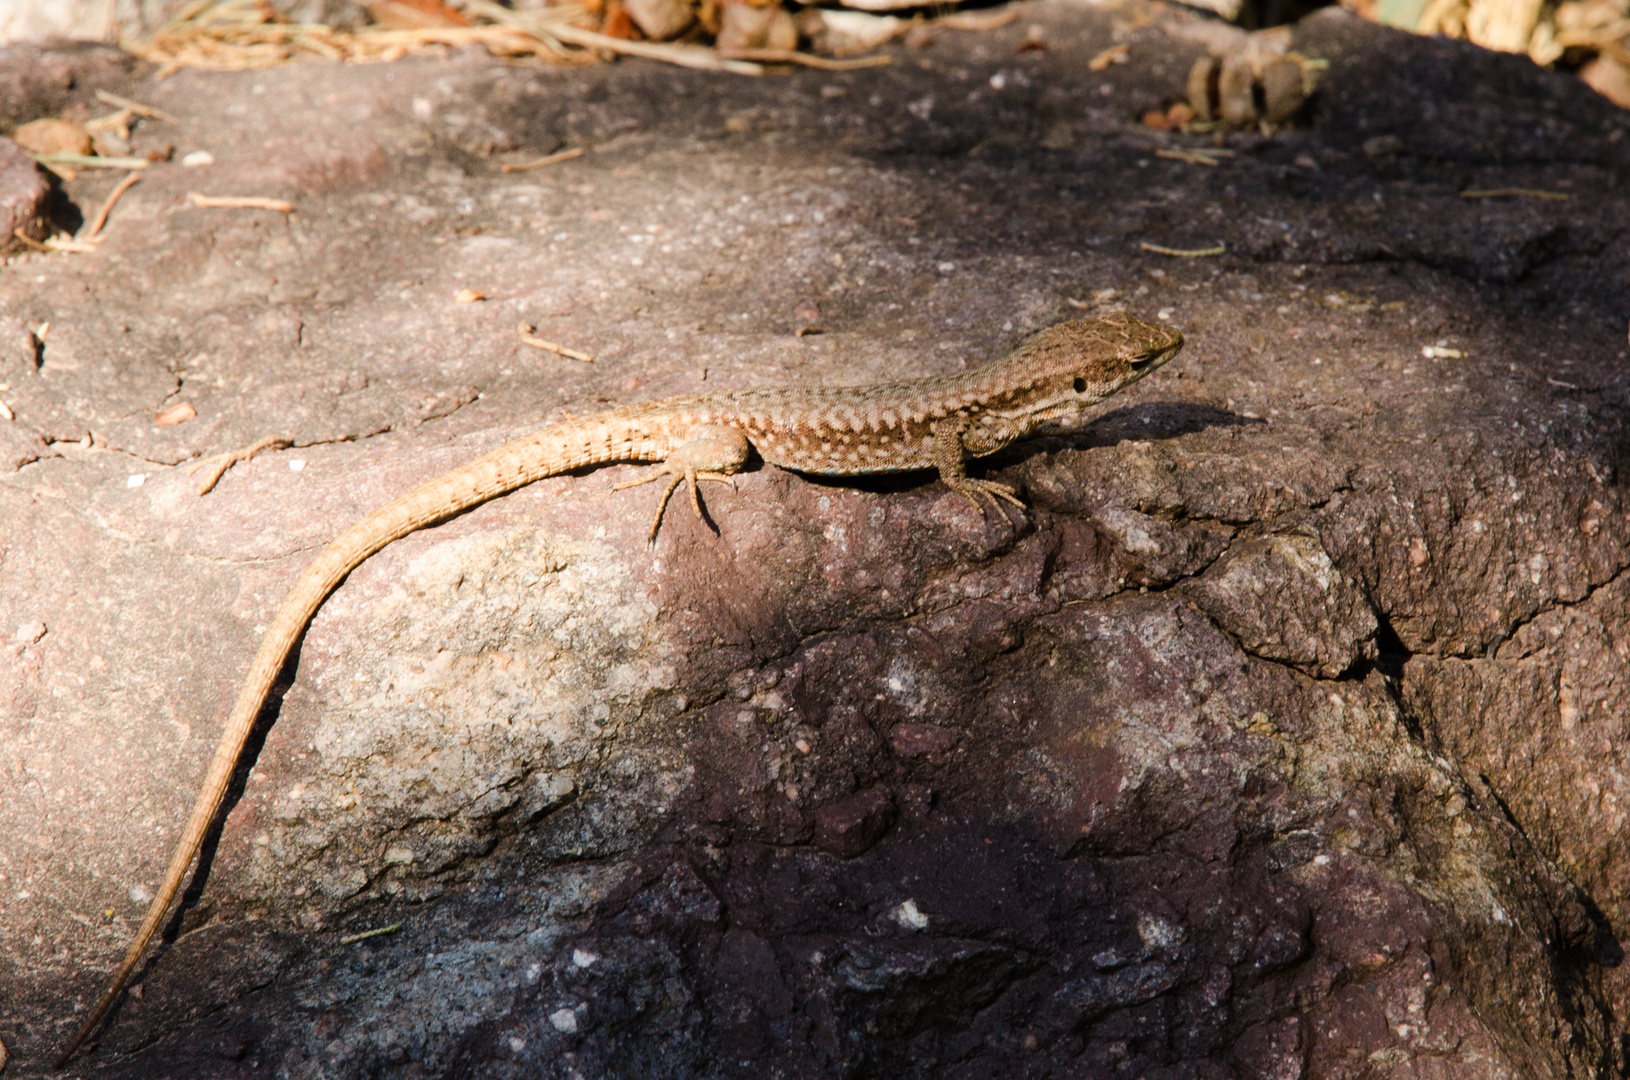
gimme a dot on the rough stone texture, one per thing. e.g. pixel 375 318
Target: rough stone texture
pixel 1282 737
pixel 23 197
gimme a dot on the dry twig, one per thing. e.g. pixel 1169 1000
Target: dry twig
pixel 552 159
pixel 216 466
pixel 101 217
pixel 524 333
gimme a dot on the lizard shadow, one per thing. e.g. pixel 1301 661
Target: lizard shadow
pixel 190 897
pixel 1143 422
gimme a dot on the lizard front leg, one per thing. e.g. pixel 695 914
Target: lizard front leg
pixel 710 453
pixel 950 456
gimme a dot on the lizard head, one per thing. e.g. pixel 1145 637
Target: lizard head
pixel 1066 368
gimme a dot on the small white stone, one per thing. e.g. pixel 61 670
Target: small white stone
pixel 909 916
pixel 135 480
pixel 198 159
pixel 296 464
pixel 30 632
pixel 583 958
pixel 564 1021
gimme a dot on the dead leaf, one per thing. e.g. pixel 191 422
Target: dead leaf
pixel 179 413
pixel 618 23
pixel 52 137
pixel 1115 54
pixel 414 14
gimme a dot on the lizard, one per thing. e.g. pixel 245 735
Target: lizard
pixel 937 422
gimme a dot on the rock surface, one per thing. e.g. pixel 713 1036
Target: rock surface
pixel 23 196
pixel 1282 737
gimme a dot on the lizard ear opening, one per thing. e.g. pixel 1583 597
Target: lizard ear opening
pixel 1080 385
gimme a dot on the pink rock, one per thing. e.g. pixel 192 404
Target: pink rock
pixel 22 197
pixel 915 740
pixel 852 826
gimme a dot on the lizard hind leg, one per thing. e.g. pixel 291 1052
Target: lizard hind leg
pixel 711 453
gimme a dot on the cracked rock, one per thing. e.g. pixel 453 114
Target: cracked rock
pixel 1283 599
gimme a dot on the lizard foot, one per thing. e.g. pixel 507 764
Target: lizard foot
pixel 677 473
pixel 969 488
pixel 218 464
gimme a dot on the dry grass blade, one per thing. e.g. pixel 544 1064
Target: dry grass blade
pixel 1516 193
pixel 352 939
pixel 91 161
pixel 64 243
pixel 691 56
pixel 499 40
pixel 240 202
pixel 793 56
pixel 1183 253
pixel 1212 158
pixel 552 159
pixel 974 20
pixel 136 107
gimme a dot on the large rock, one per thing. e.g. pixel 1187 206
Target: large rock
pixel 23 195
pixel 1277 738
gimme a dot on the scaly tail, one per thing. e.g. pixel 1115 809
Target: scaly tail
pixel 591 440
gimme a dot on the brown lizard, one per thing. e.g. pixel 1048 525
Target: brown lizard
pixel 936 422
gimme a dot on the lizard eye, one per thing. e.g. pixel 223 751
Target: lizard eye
pixel 1080 385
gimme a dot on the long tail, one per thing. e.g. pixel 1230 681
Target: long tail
pixel 552 450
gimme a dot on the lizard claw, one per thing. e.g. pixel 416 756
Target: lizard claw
pixel 675 477
pixel 662 505
pixel 969 487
